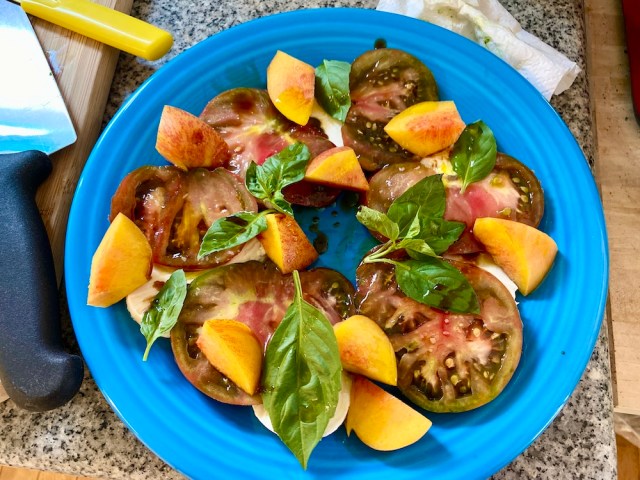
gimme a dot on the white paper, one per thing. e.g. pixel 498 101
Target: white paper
pixel 489 24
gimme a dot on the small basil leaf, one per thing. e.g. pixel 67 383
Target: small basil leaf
pixel 378 222
pixel 474 154
pixel 165 308
pixel 417 248
pixel 231 231
pixel 439 233
pixel 301 378
pixel 436 283
pixel 332 88
pixel 424 199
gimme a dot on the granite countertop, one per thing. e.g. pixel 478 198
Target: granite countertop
pixel 85 437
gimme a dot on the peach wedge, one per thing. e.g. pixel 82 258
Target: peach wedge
pixel 189 142
pixel 337 167
pixel 426 127
pixel 233 349
pixel 121 263
pixel 365 349
pixel 291 86
pixel 525 253
pixel 382 421
pixel 286 244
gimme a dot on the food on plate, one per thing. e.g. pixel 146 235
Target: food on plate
pixel 252 322
pixel 525 253
pixel 286 244
pixel 291 86
pixel 382 421
pixel 447 362
pixel 426 127
pixel 233 349
pixel 383 82
pixel 121 263
pixel 189 142
pixel 366 350
pixel 337 167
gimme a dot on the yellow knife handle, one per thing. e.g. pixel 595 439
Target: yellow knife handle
pixel 103 24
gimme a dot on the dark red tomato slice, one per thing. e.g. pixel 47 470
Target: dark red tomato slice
pixel 446 362
pixel 254 129
pixel 174 209
pixel 254 293
pixel 510 191
pixel 383 82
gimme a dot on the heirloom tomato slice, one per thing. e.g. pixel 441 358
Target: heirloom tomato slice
pixel 258 295
pixel 174 209
pixel 446 362
pixel 383 82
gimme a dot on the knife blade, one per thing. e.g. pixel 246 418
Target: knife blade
pixel 103 24
pixel 35 370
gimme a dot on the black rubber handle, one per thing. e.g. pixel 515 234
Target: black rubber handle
pixel 35 370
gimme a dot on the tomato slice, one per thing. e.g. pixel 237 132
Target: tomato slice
pixel 383 82
pixel 254 129
pixel 174 209
pixel 510 191
pixel 254 293
pixel 446 362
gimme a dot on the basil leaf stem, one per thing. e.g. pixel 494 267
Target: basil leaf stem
pixel 332 88
pixel 231 231
pixel 474 154
pixel 301 378
pixel 165 309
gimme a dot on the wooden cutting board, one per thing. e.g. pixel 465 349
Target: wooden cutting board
pixel 84 70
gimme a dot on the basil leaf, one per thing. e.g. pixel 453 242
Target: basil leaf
pixel 417 248
pixel 378 222
pixel 439 233
pixel 424 199
pixel 332 88
pixel 436 283
pixel 302 376
pixel 164 310
pixel 231 231
pixel 266 181
pixel 474 154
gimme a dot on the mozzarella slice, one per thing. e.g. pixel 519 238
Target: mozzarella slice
pixel 330 126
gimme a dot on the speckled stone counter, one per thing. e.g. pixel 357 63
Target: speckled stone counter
pixel 86 437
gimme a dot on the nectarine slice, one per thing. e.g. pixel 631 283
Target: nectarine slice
pixel 291 87
pixel 286 244
pixel 365 349
pixel 525 253
pixel 121 263
pixel 337 167
pixel 382 421
pixel 426 127
pixel 189 142
pixel 233 349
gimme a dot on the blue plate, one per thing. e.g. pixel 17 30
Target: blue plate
pixel 200 437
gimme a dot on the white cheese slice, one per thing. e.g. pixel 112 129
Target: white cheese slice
pixel 330 126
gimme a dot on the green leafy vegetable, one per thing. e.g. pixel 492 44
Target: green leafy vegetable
pixel 164 310
pixel 439 233
pixel 425 199
pixel 434 282
pixel 231 231
pixel 266 181
pixel 378 222
pixel 302 376
pixel 332 88
pixel 474 154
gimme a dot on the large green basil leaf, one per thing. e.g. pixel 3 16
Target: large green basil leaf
pixel 439 233
pixel 266 181
pixel 231 231
pixel 165 309
pixel 474 154
pixel 425 199
pixel 301 377
pixel 378 222
pixel 436 283
pixel 332 88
